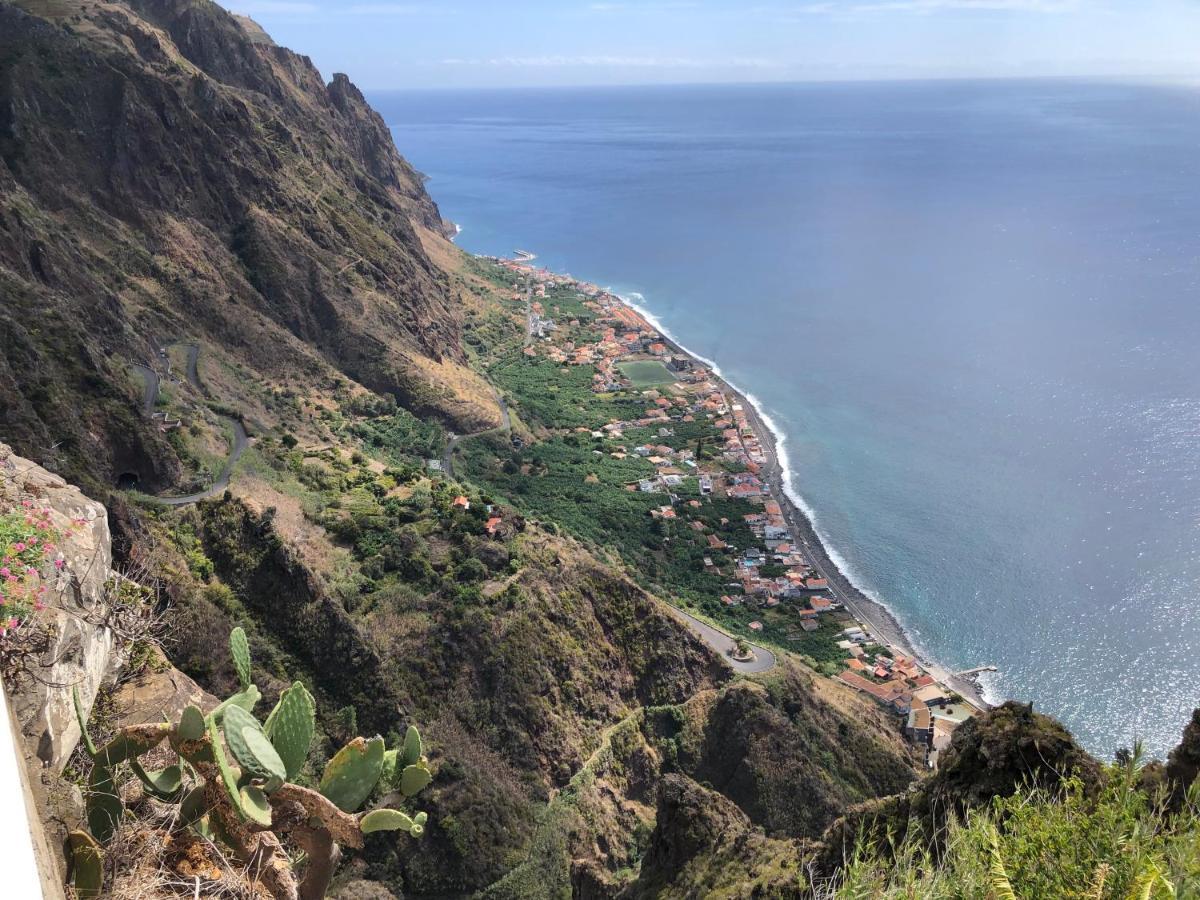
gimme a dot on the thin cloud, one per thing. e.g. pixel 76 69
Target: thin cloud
pixel 604 61
pixel 933 6
pixel 662 6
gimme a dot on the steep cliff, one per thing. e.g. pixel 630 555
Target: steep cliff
pixel 164 175
pixel 198 233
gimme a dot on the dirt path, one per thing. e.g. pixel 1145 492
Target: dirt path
pixel 452 444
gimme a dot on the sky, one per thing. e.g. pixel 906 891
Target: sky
pixel 417 44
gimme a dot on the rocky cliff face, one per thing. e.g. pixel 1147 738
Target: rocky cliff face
pixel 77 642
pixel 703 845
pixel 166 174
pixel 80 624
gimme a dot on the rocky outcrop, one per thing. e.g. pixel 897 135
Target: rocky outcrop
pixel 73 643
pixel 81 641
pixel 703 844
pixel 791 760
pixel 1183 764
pixel 1009 748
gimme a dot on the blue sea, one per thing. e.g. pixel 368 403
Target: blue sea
pixel 971 308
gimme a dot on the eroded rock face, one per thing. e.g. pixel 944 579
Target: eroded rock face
pixel 703 844
pixel 81 650
pixel 165 172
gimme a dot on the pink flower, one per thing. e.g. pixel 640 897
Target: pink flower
pixel 5 572
pixel 19 546
pixel 59 563
pixel 39 605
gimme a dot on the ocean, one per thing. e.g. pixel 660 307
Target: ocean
pixel 970 309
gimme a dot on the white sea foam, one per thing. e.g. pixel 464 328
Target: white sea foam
pixel 637 302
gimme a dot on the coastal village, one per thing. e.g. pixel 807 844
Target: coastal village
pixel 771 588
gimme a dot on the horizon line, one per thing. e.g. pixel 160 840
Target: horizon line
pixel 1164 80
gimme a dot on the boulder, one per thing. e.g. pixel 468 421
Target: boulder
pixel 161 692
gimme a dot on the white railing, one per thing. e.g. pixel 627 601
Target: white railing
pixel 18 818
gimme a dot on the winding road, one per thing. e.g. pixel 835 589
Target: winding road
pixel 240 442
pixel 764 659
pixel 240 439
pixel 150 394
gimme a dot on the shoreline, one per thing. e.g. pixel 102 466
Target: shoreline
pixel 875 614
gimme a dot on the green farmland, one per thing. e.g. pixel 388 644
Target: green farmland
pixel 646 373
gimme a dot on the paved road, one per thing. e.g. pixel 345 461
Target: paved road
pixel 240 439
pixel 240 442
pixel 193 376
pixel 528 310
pixel 150 395
pixel 764 659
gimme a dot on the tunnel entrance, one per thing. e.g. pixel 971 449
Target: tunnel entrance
pixel 127 481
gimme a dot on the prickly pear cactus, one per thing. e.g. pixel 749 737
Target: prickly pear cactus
pixel 391 820
pixel 87 864
pixel 290 727
pixel 414 779
pixel 412 747
pixel 237 814
pixel 104 807
pixel 353 773
pixel 239 648
pixel 191 724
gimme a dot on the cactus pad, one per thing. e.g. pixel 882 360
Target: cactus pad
pixel 414 779
pixel 104 807
pixel 191 724
pixel 412 747
pixel 194 806
pixel 239 649
pixel 389 774
pixel 385 820
pixel 246 699
pixel 244 737
pixel 87 864
pixel 353 772
pixel 290 727
pixel 165 784
pixel 255 805
pixel 130 743
pixel 227 778
pixel 87 738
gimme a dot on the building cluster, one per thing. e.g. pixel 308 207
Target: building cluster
pixel 771 572
pixel 930 711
